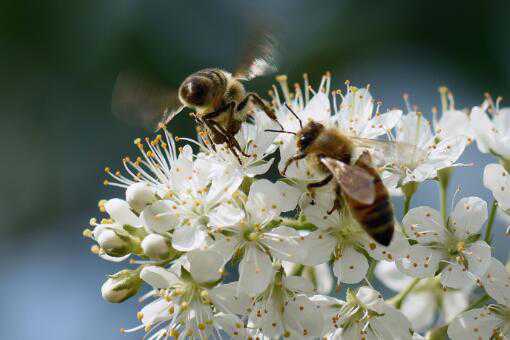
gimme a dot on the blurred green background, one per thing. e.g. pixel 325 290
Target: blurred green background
pixel 60 60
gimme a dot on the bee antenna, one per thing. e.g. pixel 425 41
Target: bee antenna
pixel 295 115
pixel 280 131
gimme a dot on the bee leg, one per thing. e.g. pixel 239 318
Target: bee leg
pixel 311 186
pixel 260 103
pixel 292 160
pixel 337 204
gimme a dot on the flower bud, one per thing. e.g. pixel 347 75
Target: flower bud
pixel 121 286
pixel 139 195
pixel 156 246
pixel 112 242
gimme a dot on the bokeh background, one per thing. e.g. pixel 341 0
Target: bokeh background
pixel 60 60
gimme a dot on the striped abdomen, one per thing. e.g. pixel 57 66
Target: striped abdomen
pixel 376 218
pixel 203 88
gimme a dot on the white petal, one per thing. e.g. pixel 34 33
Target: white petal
pixel 469 215
pixel 371 298
pixel 139 195
pixel 317 109
pixel 255 271
pixel 497 282
pixel 264 201
pixel 381 123
pixel 415 129
pixel 420 261
pixel 120 211
pixel 420 309
pixel 285 243
pixel 318 247
pixel 188 237
pixel 424 225
pixel 474 324
pixel 454 123
pixel 447 152
pixel 395 250
pixel 205 265
pixel 225 215
pixel 301 316
pixel 392 325
pixel 298 284
pixel 454 302
pixel 155 312
pixel 289 196
pixel 317 214
pixel 227 299
pixel 478 255
pixel 158 277
pixel 482 127
pixel 455 276
pixel 160 216
pixel 497 180
pixel 351 267
pixel 267 316
pixel 231 325
pixel 388 273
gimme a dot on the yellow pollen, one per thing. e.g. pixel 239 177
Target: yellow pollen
pixel 184 305
pixel 95 249
pixel 139 316
pixel 100 205
pixel 93 222
pixel 148 327
pixel 106 182
pixel 171 310
pixel 87 233
pixel 107 169
pixel 137 141
pixel 201 326
pixel 461 246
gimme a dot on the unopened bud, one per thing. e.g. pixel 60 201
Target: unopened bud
pixel 139 195
pixel 121 286
pixel 156 246
pixel 112 243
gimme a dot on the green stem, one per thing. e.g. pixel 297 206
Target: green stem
pixel 409 189
pixel 444 180
pixel 492 217
pixel 443 192
pixel 398 299
pixel 480 302
pixel 297 224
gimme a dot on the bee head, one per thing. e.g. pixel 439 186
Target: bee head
pixel 195 91
pixel 307 135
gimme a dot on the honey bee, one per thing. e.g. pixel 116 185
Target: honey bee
pixel 217 97
pixel 330 152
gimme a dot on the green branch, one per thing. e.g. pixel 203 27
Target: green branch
pixel 492 217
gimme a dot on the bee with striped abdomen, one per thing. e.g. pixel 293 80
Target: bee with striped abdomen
pixel 217 97
pixel 358 185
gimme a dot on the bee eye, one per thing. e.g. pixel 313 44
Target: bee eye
pixel 194 92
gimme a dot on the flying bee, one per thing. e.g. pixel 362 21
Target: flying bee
pixel 217 97
pixel 330 152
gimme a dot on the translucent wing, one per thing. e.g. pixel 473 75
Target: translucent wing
pixel 142 101
pixel 384 152
pixel 259 57
pixel 356 182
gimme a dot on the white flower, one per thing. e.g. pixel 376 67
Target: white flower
pixel 353 117
pixel 156 246
pixel 492 132
pixel 184 308
pixel 320 275
pixel 255 142
pixel 284 308
pixel 139 195
pixel 426 298
pixel 340 237
pixel 455 244
pixel 364 315
pixel 114 241
pixel 497 180
pixel 420 155
pixel 490 322
pixel 254 235
pixel 452 122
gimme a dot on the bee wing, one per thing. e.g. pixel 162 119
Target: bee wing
pixel 142 101
pixel 356 182
pixel 259 57
pixel 384 152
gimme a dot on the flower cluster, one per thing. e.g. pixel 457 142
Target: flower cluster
pixel 229 253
